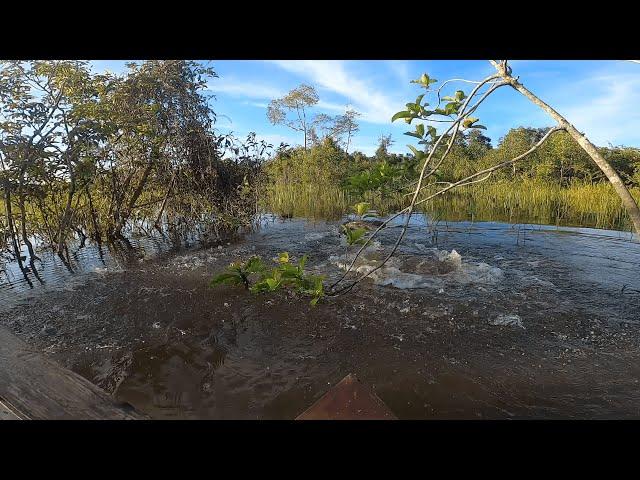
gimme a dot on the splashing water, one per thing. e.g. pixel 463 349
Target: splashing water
pixel 439 268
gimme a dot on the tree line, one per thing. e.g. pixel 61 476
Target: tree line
pixel 559 160
pixel 89 155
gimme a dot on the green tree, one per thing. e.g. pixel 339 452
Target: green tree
pixel 291 110
pixel 346 125
pixel 384 143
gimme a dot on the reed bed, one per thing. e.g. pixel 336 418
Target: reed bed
pixel 529 201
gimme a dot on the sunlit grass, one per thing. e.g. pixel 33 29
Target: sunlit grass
pixel 528 201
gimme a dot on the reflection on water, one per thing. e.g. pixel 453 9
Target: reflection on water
pixel 479 320
pixel 85 258
pixel 91 258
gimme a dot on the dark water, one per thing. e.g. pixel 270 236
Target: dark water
pixel 86 260
pixel 519 322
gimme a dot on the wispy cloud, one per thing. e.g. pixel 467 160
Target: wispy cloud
pixel 238 88
pixel 333 75
pixel 332 107
pixel 255 104
pixel 611 114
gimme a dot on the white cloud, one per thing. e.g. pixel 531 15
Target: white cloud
pixel 236 88
pixel 605 108
pixel 331 107
pixel 375 106
pixel 255 104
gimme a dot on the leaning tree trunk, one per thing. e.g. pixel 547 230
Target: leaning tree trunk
pixel 23 216
pixel 117 231
pixel 23 229
pixel 12 232
pixel 97 235
pixel 66 216
pixel 627 199
pixel 164 203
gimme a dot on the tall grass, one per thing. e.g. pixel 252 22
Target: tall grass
pixel 535 201
pixel 311 200
pixel 529 201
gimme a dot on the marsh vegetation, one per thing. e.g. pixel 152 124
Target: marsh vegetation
pixel 195 274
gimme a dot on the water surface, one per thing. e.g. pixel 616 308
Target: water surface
pixel 519 322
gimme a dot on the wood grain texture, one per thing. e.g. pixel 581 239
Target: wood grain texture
pixel 34 387
pixel 7 413
pixel 348 400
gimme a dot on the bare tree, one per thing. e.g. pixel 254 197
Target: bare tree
pixel 346 125
pixel 291 110
pixel 322 126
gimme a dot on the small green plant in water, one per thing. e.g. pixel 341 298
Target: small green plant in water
pixel 354 236
pixel 363 211
pixel 284 275
pixel 238 273
pixel 283 257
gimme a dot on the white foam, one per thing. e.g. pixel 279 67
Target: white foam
pixel 511 320
pixel 315 236
pixel 409 272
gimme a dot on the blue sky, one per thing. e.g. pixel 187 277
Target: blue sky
pixel 602 98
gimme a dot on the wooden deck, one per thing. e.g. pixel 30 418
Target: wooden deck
pixel 348 400
pixel 34 387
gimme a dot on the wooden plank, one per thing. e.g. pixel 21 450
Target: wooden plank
pixel 34 387
pixel 348 400
pixel 7 413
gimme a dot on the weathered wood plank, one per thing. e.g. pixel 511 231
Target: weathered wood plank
pixel 34 387
pixel 7 413
pixel 348 400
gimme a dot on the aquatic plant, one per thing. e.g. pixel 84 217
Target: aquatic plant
pixel 238 273
pixel 354 235
pixel 363 211
pixel 283 275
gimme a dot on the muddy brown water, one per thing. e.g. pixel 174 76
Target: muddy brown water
pixel 519 322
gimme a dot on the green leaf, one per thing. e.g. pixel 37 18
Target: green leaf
pixel 402 114
pixel 361 208
pixel 301 263
pixel 226 278
pixel 354 236
pixel 255 265
pixel 288 271
pixel 283 257
pixel 467 122
pixel 413 134
pixel 451 108
pixel 420 129
pixel 415 151
pixel 425 80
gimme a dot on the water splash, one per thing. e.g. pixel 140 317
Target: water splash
pixel 434 270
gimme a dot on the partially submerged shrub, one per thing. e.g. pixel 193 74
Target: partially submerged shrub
pixel 284 275
pixel 354 236
pixel 238 273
